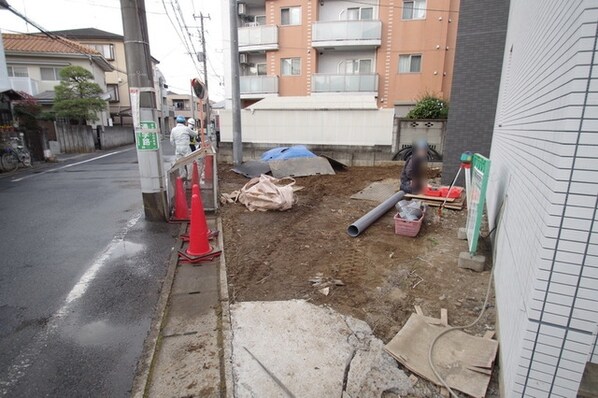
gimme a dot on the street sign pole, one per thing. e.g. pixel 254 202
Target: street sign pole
pixel 143 109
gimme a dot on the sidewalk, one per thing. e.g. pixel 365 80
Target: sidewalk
pixel 185 352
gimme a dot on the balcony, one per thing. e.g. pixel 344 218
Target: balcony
pixel 253 87
pixel 346 35
pixel 25 84
pixel 258 38
pixel 323 83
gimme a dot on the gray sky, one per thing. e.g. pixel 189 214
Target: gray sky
pixel 165 44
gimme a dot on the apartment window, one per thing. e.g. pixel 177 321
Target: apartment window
pixel 261 69
pixel 178 104
pixel 290 16
pixel 410 63
pixel 50 73
pixel 414 9
pixel 357 66
pixel 113 91
pixel 360 13
pixel 18 71
pixel 107 50
pixel 291 66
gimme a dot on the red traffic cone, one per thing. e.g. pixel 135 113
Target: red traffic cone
pixel 181 209
pixel 195 175
pixel 209 168
pixel 198 234
pixel 195 190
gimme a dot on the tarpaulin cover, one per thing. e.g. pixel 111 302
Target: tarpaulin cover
pixel 282 153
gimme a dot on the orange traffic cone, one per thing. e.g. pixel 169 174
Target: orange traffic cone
pixel 195 190
pixel 199 249
pixel 195 175
pixel 181 209
pixel 209 168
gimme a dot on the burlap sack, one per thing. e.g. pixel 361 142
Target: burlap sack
pixel 268 193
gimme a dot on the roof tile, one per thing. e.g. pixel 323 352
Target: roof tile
pixel 43 44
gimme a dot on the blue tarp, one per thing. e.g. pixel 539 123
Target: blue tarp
pixel 285 152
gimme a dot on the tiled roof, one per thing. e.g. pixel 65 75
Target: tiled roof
pixel 87 33
pixel 43 44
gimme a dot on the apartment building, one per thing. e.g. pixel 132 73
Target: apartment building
pixel 391 50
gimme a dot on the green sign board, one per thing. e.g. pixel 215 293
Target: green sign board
pixel 480 172
pixel 146 137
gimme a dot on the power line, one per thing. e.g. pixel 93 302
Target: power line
pixel 400 7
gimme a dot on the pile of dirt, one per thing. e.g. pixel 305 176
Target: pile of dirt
pixel 274 255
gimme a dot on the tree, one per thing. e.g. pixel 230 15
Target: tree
pixel 77 96
pixel 429 107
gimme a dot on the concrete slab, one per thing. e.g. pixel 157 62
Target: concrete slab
pixel 188 366
pixel 193 278
pixel 300 167
pixel 191 313
pixel 378 191
pixel 462 233
pixel 313 351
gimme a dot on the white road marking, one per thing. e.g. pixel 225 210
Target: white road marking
pixel 70 165
pixel 27 356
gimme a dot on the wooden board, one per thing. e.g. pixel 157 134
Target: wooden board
pixel 432 198
pixel 456 354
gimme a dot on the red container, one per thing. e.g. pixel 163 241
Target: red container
pixel 406 227
pixel 429 191
pixel 454 193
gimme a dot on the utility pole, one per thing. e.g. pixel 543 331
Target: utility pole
pixel 141 85
pixel 204 59
pixel 235 84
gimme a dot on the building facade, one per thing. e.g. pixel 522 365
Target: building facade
pixel 543 199
pixel 392 50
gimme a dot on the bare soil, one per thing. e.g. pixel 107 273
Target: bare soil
pixel 273 256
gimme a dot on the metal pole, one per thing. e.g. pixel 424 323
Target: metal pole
pixel 235 85
pixel 140 75
pixel 205 70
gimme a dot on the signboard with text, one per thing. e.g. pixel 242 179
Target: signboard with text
pixel 146 136
pixel 480 172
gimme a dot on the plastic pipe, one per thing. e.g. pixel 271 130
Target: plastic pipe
pixel 369 218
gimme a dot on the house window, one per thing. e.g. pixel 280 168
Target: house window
pixel 290 16
pixel 107 50
pixel 260 20
pixel 50 73
pixel 291 66
pixel 360 13
pixel 113 91
pixel 178 104
pixel 410 63
pixel 414 9
pixel 356 66
pixel 17 71
pixel 261 69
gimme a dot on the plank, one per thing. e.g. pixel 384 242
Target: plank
pixel 432 198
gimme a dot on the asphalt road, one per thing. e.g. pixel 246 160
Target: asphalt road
pixel 80 275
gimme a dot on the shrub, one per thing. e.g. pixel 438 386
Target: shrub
pixel 429 107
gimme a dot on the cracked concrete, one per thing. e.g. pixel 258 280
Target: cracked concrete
pixel 313 351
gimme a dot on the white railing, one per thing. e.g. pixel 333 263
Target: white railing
pixel 325 31
pixel 26 84
pixel 258 36
pixel 259 85
pixel 325 83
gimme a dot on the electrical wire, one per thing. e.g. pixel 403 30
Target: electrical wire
pixel 482 312
pixel 399 7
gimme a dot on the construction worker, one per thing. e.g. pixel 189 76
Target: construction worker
pixel 181 136
pixel 193 141
pixel 413 175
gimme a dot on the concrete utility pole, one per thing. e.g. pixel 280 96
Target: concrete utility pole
pixel 140 76
pixel 235 84
pixel 201 17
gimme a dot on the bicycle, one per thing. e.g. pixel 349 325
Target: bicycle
pixel 14 155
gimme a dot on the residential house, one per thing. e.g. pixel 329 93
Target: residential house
pixel 34 63
pixel 543 200
pixel 112 46
pixel 383 54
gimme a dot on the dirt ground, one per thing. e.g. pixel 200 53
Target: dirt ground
pixel 273 256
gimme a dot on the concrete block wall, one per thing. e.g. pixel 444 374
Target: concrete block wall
pixel 476 78
pixel 75 138
pixel 112 137
pixel 543 194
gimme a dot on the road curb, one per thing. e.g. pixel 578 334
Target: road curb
pixel 226 359
pixel 152 342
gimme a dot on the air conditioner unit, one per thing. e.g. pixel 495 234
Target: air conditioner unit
pixel 242 9
pixel 243 58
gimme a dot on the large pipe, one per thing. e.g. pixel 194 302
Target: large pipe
pixel 369 218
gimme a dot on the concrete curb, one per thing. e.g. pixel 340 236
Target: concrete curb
pixel 145 363
pixel 226 361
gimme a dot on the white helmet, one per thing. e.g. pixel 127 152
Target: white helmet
pixel 191 121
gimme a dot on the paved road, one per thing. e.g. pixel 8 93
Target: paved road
pixel 80 275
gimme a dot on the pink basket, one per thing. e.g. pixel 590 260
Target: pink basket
pixel 406 227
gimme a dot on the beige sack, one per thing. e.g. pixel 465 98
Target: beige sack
pixel 268 193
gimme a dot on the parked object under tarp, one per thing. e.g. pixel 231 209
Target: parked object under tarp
pixel 283 153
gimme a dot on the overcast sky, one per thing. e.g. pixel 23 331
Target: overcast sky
pixel 165 44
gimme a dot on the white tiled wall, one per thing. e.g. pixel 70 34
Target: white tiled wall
pixel 543 195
